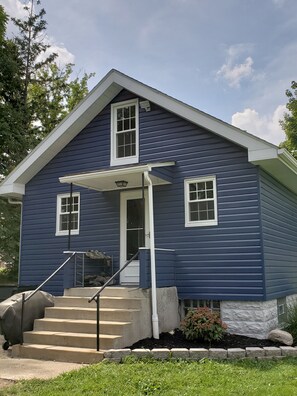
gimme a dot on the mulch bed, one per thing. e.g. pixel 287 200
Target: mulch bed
pixel 177 340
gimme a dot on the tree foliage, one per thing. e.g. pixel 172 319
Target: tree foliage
pixel 35 95
pixel 289 123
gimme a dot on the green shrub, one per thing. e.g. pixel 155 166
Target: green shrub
pixel 203 324
pixel 291 322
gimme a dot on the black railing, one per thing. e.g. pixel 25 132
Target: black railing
pixel 96 297
pixel 25 299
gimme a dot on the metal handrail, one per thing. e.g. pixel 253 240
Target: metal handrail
pixel 96 297
pixel 25 299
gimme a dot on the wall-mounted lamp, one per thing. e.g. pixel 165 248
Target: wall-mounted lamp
pixel 145 104
pixel 121 183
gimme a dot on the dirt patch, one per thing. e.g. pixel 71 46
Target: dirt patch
pixel 177 340
pixel 4 383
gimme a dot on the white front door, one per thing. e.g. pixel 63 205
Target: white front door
pixel 132 235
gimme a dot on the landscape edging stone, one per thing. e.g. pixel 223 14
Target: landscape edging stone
pixel 118 355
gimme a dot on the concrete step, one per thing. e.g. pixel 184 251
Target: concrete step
pixel 105 302
pixel 77 340
pixel 110 291
pixel 81 326
pixel 57 353
pixel 109 314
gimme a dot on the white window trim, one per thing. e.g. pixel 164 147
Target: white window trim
pixel 113 149
pixel 58 212
pixel 200 223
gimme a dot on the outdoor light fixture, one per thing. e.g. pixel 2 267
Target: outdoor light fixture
pixel 121 183
pixel 145 104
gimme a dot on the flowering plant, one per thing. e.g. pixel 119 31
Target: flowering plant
pixel 202 323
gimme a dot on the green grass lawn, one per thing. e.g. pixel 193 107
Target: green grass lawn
pixel 248 377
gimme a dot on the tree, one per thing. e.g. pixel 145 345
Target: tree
pixel 35 95
pixel 12 142
pixel 289 123
pixel 12 139
pixel 52 95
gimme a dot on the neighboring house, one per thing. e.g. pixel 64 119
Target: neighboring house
pixel 220 204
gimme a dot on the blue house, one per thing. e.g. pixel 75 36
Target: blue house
pixel 211 209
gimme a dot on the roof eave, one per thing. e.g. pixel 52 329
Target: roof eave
pixel 280 165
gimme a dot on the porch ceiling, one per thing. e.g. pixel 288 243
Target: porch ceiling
pixel 105 180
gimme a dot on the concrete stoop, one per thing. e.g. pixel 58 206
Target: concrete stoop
pixel 67 333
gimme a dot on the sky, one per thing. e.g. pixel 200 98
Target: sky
pixel 233 59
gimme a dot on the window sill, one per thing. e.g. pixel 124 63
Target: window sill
pixel 66 233
pixel 201 223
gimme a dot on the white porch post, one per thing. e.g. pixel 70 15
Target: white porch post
pixel 155 319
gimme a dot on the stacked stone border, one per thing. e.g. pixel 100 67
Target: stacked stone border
pixel 118 355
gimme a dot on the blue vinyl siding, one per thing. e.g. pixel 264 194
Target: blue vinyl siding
pixel 219 262
pixel 279 219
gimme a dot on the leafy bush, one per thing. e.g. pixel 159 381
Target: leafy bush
pixel 291 322
pixel 202 323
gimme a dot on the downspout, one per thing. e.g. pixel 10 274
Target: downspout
pixel 155 319
pixel 13 202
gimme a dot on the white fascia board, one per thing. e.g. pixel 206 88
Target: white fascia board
pixel 72 124
pixel 260 155
pixel 193 115
pixel 15 190
pixel 114 172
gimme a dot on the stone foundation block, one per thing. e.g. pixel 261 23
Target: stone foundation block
pixel 235 353
pixel 117 353
pixel 180 353
pixel 254 352
pixel 141 353
pixel 272 351
pixel 198 353
pixel 161 353
pixel 217 353
pixel 288 351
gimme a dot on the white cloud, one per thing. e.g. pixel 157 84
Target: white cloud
pixel 266 127
pixel 15 9
pixel 235 69
pixel 235 73
pixel 64 56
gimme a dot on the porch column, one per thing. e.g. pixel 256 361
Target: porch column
pixel 155 319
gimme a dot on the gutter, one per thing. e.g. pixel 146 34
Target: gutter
pixel 13 202
pixel 155 319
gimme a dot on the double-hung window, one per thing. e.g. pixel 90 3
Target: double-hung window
pixel 201 202
pixel 65 212
pixel 124 132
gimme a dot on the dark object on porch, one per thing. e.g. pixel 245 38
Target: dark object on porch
pixel 96 280
pixel 98 269
pixel 10 315
pixel 97 254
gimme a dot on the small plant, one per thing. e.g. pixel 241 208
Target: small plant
pixel 291 322
pixel 202 323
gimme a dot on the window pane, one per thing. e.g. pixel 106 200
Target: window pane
pixel 134 241
pixel 193 196
pixel 134 213
pixel 201 195
pixel 126 146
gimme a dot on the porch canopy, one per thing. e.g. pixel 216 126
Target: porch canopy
pixel 105 180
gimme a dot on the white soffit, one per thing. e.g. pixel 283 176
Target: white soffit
pixel 106 180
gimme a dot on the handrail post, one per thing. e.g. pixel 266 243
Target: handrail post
pixel 22 318
pixel 24 299
pixel 98 322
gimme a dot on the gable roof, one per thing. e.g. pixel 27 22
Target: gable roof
pixel 276 161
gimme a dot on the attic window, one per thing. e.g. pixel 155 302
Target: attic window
pixel 124 133
pixel 201 202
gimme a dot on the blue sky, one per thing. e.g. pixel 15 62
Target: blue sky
pixel 233 59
